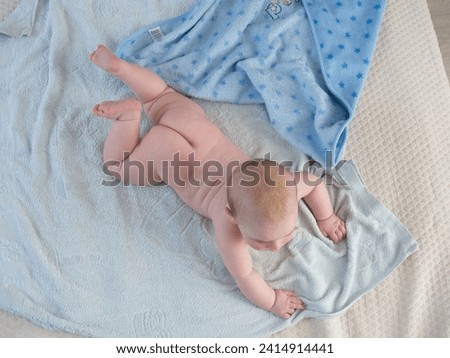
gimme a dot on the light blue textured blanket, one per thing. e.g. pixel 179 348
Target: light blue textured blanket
pixel 80 255
pixel 306 61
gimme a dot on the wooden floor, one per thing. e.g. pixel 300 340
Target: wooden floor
pixel 440 14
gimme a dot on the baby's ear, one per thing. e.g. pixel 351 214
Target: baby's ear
pixel 230 215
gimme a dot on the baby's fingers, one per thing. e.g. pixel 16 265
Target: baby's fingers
pixel 290 293
pixel 298 306
pixel 338 236
pixel 297 303
pixel 335 236
pixel 294 298
pixel 339 233
pixel 343 229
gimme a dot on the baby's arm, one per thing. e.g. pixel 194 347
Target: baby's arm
pixel 313 191
pixel 237 259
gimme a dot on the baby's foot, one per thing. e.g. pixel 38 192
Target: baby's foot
pixel 125 110
pixel 105 59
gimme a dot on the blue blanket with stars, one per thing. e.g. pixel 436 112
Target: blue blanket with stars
pixel 306 61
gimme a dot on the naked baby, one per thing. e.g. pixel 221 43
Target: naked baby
pixel 251 204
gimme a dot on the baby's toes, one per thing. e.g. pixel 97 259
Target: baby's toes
pixel 96 109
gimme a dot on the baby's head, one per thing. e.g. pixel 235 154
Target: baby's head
pixel 262 201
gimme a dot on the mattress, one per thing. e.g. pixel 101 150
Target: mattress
pixel 400 142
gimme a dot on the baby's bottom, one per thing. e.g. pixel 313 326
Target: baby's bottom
pixel 175 134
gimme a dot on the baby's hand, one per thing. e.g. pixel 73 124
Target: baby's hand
pixel 333 228
pixel 286 302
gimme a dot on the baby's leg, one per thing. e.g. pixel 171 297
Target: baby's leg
pixel 186 118
pixel 119 152
pixel 145 84
pixel 148 161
